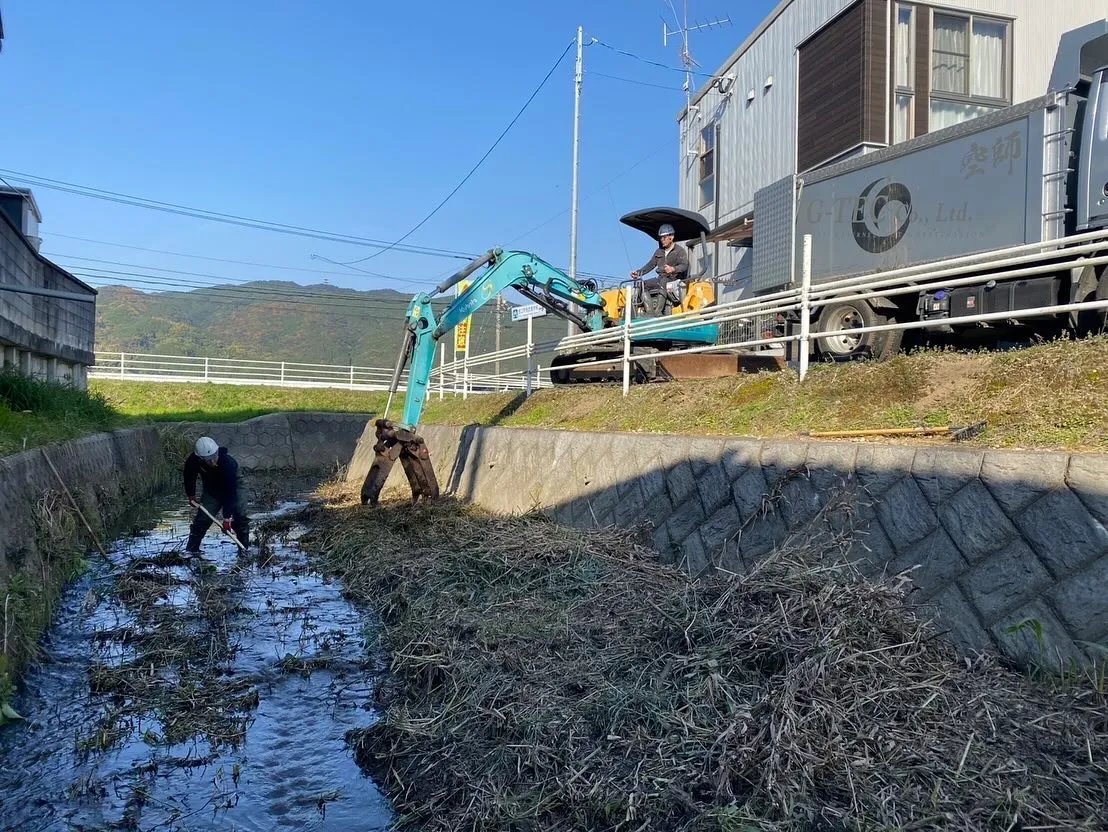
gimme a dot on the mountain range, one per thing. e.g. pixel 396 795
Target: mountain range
pixel 283 321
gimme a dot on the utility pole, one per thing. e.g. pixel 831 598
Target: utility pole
pixel 578 76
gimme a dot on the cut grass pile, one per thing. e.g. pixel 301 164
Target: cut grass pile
pixel 552 679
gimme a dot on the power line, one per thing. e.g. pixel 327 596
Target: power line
pixel 346 301
pixel 627 54
pixel 227 260
pixel 634 81
pixel 424 282
pixel 246 294
pixel 592 193
pixel 480 161
pixel 228 219
pixel 181 271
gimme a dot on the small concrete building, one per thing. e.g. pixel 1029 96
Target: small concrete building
pixel 45 336
pixel 819 81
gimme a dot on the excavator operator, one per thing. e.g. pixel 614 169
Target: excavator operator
pixel 671 261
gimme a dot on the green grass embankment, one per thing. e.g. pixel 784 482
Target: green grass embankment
pixel 35 413
pixel 1049 396
pixel 142 401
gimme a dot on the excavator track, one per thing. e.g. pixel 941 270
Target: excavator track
pixel 395 443
pixel 611 371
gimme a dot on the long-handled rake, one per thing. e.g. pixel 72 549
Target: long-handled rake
pixel 231 535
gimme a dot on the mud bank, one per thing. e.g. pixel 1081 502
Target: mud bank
pixel 190 693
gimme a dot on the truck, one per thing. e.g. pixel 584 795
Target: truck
pixel 1032 173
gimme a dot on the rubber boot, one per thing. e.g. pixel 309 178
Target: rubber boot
pixel 193 545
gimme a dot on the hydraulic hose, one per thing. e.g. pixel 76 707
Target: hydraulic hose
pixel 459 276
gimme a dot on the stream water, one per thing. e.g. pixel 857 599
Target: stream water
pixel 190 693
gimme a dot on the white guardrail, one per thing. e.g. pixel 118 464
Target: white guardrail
pixel 749 324
pixel 130 366
pixel 746 324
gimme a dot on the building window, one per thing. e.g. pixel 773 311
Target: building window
pixel 904 57
pixel 707 159
pixel 969 68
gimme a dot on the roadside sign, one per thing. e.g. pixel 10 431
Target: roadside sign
pixel 528 310
pixel 461 331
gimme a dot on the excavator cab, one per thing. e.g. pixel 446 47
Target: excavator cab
pixel 691 230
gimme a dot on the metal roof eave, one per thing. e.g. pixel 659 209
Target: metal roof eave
pixel 738 53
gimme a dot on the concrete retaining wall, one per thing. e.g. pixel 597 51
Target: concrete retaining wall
pixel 110 472
pixel 307 442
pixel 994 537
pixel 107 473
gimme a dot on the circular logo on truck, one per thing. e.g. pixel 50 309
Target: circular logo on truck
pixel 882 216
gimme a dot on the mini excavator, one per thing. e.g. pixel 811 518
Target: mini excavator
pixel 536 280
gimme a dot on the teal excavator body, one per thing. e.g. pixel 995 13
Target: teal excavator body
pixel 535 279
pixel 529 275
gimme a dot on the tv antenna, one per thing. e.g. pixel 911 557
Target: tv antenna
pixel 682 32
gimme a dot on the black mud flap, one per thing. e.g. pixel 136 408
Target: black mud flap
pixel 394 443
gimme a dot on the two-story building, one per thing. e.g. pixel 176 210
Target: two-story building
pixel 821 80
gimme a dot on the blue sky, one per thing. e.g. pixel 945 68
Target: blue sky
pixel 338 116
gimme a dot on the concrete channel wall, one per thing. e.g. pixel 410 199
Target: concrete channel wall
pixel 994 538
pixel 318 443
pixel 110 472
pixel 106 473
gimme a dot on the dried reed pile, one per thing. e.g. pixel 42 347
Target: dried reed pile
pixel 552 679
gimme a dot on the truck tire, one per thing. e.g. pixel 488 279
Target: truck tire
pixel 856 313
pixel 1093 286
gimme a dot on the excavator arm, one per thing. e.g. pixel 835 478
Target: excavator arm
pixel 532 277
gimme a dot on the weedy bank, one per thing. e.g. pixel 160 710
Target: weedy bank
pixel 545 678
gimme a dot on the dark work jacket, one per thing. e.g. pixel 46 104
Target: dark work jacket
pixel 677 257
pixel 221 482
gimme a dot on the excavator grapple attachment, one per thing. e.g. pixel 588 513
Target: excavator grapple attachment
pixel 395 443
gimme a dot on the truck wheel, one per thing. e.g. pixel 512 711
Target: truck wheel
pixel 1092 287
pixel 852 314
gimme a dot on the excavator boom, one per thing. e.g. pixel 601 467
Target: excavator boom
pixel 530 276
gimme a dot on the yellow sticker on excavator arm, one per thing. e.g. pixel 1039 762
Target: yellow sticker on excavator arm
pixel 461 331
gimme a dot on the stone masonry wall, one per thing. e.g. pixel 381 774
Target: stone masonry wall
pixel 993 538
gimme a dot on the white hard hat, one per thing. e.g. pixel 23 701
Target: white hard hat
pixel 666 231
pixel 206 447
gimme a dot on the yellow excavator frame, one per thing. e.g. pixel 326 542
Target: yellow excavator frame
pixel 700 294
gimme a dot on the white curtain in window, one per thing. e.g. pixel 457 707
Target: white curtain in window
pixel 949 113
pixel 902 119
pixel 987 73
pixel 904 48
pixel 950 54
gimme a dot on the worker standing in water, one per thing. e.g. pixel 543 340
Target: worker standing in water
pixel 219 474
pixel 671 261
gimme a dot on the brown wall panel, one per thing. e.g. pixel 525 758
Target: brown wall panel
pixel 830 111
